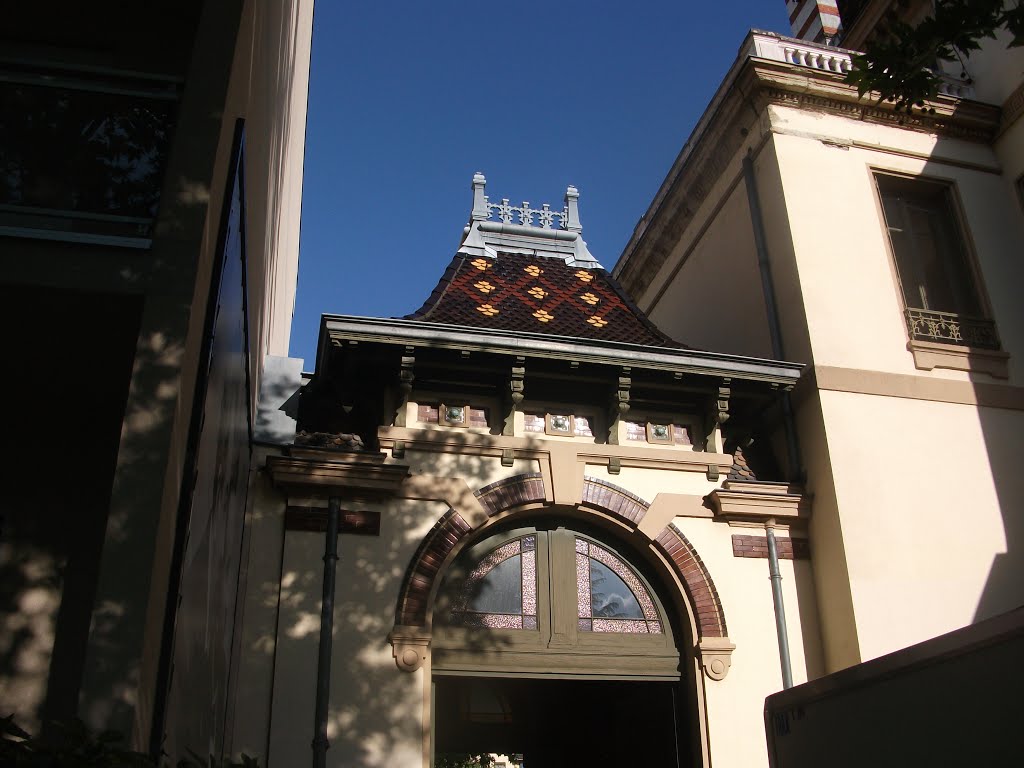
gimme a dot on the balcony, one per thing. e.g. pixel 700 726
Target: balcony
pixel 950 328
pixel 823 58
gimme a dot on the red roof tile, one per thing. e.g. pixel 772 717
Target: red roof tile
pixel 518 292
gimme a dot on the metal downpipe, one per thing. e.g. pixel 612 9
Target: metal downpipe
pixel 780 608
pixel 772 310
pixel 323 670
pixel 789 425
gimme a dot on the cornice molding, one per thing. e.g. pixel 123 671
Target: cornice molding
pixel 731 122
pixel 759 502
pixel 331 473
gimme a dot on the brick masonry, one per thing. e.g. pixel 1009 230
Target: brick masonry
pixel 607 497
pixel 697 580
pixel 511 492
pixel 425 565
pixel 757 546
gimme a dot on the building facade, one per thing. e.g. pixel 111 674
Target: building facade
pixel 551 514
pixel 881 250
pixel 149 213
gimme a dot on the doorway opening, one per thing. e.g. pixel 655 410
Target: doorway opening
pixel 545 723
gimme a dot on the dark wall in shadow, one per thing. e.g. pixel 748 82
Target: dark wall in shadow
pixel 69 360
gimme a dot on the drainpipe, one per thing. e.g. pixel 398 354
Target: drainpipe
pixel 774 329
pixel 789 425
pixel 780 608
pixel 323 670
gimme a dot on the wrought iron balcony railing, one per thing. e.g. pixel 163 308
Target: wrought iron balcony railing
pixel 951 328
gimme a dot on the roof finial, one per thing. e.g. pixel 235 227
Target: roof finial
pixel 572 196
pixel 480 212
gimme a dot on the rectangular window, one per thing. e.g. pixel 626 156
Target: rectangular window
pixel 940 295
pixel 83 152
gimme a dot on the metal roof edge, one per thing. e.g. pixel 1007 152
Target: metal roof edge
pixel 420 333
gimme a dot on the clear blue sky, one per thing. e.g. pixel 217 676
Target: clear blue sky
pixel 407 99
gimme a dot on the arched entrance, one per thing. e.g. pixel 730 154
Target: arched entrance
pixel 545 667
pixel 551 645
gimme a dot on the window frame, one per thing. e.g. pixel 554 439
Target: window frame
pixel 931 354
pixel 557 647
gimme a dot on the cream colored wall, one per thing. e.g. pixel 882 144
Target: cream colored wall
pixel 376 712
pixel 848 283
pixel 1010 151
pixel 840 647
pixel 995 70
pixel 735 705
pixel 275 111
pixel 929 517
pixel 721 260
pixel 376 716
pixel 248 732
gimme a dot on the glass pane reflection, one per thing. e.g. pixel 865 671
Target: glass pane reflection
pixel 610 597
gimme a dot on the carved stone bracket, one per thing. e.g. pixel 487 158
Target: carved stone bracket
pixel 716 656
pixel 517 391
pixel 406 376
pixel 718 412
pixel 620 405
pixel 409 646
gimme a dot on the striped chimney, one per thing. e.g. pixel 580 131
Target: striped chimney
pixel 816 21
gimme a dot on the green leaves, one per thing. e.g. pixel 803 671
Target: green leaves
pixel 901 63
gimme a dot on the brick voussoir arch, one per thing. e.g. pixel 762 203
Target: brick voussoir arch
pixel 425 566
pixel 598 495
pixel 611 499
pixel 697 581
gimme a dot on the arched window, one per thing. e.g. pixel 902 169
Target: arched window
pixel 546 600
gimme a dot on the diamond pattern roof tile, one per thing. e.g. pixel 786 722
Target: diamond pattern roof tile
pixel 520 292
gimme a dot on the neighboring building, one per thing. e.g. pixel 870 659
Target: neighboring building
pixel 150 179
pixel 883 251
pixel 553 523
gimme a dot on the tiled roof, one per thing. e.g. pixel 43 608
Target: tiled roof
pixel 519 292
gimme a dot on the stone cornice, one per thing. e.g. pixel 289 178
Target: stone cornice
pixel 759 502
pixel 730 122
pixel 333 473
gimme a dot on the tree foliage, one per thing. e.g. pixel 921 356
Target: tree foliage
pixel 900 63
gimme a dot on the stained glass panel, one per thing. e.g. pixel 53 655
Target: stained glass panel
pixel 501 590
pixel 610 596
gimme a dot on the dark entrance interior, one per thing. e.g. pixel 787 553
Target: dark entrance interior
pixel 560 722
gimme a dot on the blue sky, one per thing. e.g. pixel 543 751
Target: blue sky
pixel 407 99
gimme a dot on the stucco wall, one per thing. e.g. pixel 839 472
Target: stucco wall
pixel 929 519
pixel 851 297
pixel 377 711
pixel 737 324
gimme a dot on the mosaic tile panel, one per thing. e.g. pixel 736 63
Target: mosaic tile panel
pixel 632 626
pixel 583 586
pixel 529 583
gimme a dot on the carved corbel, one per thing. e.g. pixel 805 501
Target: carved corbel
pixel 718 412
pixel 716 656
pixel 620 405
pixel 409 646
pixel 517 391
pixel 406 376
